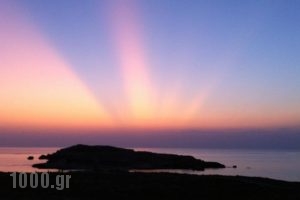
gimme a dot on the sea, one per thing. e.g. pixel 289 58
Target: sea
pixel 275 164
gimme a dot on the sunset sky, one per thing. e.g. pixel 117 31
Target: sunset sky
pixel 149 64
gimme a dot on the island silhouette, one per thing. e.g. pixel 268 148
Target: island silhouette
pixel 85 157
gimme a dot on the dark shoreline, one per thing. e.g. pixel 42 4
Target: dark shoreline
pixel 125 185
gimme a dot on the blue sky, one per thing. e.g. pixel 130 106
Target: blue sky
pixel 229 62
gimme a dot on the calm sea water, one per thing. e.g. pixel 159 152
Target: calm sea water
pixel 276 164
pixel 283 165
pixel 15 159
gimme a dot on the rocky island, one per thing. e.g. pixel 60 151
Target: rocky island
pixel 84 157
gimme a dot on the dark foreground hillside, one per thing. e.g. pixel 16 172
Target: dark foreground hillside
pixel 124 185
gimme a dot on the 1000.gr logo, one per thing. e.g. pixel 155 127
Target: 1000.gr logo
pixel 40 179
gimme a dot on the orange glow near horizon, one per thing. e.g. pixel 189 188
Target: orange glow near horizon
pixel 39 88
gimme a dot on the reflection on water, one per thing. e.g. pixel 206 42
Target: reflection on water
pixel 284 165
pixel 276 164
pixel 15 159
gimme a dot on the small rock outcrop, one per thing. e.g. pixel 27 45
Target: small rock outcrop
pixel 30 158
